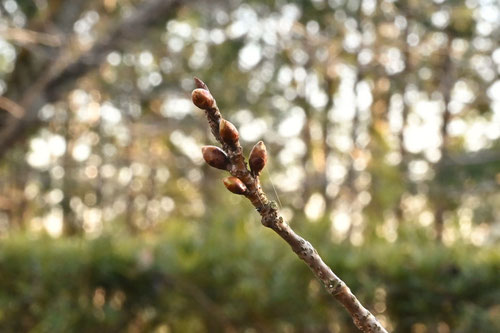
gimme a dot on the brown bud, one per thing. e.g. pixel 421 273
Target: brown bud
pixel 235 185
pixel 215 157
pixel 202 98
pixel 258 158
pixel 228 132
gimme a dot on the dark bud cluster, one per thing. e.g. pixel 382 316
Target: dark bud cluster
pixel 229 136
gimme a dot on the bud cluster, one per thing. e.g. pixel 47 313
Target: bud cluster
pixel 218 158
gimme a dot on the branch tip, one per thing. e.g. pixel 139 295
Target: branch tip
pixel 200 84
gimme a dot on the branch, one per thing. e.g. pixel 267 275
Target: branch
pixel 131 28
pixel 246 182
pixel 25 36
pixel 16 110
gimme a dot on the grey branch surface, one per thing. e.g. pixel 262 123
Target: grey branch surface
pixel 268 210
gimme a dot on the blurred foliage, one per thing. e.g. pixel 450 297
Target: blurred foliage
pixel 192 280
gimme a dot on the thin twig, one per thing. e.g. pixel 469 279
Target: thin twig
pixel 25 36
pixel 363 319
pixel 11 107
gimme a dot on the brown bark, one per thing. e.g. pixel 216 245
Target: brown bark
pixel 445 86
pixel 404 76
pixel 271 218
pixel 70 223
pixel 325 122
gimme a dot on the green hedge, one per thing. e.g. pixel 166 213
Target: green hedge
pixel 226 275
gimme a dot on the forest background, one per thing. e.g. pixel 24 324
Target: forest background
pixel 382 123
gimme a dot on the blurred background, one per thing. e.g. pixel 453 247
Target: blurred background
pixel 382 121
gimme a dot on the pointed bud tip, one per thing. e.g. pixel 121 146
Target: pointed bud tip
pixel 199 83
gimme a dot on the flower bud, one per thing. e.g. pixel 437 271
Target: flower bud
pixel 258 158
pixel 215 157
pixel 235 185
pixel 228 132
pixel 202 98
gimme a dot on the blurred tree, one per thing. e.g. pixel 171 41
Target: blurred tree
pixel 365 105
pixel 381 119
